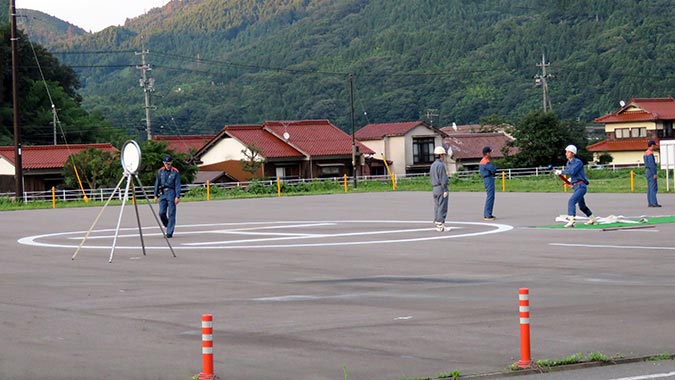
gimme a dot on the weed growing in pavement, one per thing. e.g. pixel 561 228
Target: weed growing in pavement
pixel 663 356
pixel 454 375
pixel 597 357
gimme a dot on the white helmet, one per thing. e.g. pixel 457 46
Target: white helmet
pixel 572 148
pixel 439 150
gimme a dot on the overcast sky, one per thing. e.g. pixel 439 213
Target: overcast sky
pixel 92 15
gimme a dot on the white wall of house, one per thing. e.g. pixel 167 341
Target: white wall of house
pixel 650 125
pixel 224 150
pixel 6 168
pixel 627 158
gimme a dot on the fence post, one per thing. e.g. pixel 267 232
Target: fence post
pixel 207 348
pixel 524 309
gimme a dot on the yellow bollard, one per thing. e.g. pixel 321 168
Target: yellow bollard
pixel 53 197
pixel 565 186
pixel 345 183
pixel 208 190
pixel 278 187
pixel 503 181
pixel 632 181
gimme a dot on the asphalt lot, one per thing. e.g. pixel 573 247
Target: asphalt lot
pixel 304 287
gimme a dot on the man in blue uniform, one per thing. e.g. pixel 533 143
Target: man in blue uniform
pixel 575 170
pixel 167 189
pixel 439 184
pixel 487 171
pixel 652 174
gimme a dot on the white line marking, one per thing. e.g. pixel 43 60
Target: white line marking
pixel 612 246
pixel 184 230
pixel 654 376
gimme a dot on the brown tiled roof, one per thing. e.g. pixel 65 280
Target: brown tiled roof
pixel 382 130
pixel 271 146
pixel 619 145
pixel 470 145
pixel 49 156
pixel 642 109
pixel 183 144
pixel 316 137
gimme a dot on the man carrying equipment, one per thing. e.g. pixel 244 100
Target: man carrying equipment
pixel 167 189
pixel 579 183
pixel 439 183
pixel 487 171
pixel 652 174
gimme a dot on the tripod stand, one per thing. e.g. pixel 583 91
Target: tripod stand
pixel 129 177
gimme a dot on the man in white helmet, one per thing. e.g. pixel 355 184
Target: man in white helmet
pixel 575 170
pixel 439 183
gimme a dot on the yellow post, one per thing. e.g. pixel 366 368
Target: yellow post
pixel 345 181
pixel 278 187
pixel 391 175
pixel 565 186
pixel 53 197
pixel 503 181
pixel 632 181
pixel 208 190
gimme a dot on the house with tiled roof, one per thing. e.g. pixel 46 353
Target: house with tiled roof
pixel 408 147
pixel 183 144
pixel 629 128
pixel 290 149
pixel 42 165
pixel 467 142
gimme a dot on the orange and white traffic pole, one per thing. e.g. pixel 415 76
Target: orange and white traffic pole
pixel 524 309
pixel 207 348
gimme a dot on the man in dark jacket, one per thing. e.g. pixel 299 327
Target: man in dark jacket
pixel 167 190
pixel 652 174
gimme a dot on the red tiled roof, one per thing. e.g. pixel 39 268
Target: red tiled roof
pixel 183 144
pixel 642 109
pixel 382 130
pixel 467 128
pixel 619 145
pixel 270 145
pixel 49 156
pixel 470 145
pixel 316 137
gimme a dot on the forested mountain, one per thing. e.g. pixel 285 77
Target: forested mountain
pixel 217 62
pixel 45 29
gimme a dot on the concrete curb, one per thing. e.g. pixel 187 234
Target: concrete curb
pixel 568 367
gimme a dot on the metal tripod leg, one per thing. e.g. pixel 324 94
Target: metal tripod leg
pixel 138 218
pixel 97 218
pixel 159 223
pixel 119 220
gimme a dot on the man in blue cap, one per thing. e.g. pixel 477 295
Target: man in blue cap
pixel 167 189
pixel 652 174
pixel 487 171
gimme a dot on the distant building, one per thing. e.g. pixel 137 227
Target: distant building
pixel 628 129
pixel 42 165
pixel 467 142
pixel 290 149
pixel 408 147
pixel 188 144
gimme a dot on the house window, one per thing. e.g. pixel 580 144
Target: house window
pixel 281 172
pixel 624 133
pixel 423 150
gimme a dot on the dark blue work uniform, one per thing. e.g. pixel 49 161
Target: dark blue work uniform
pixel 487 171
pixel 652 178
pixel 575 169
pixel 167 189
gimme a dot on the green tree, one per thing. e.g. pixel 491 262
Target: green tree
pixel 541 140
pixel 252 160
pixel 95 168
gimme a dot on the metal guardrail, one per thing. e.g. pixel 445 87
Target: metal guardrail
pixel 103 194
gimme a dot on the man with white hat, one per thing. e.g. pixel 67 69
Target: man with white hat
pixel 439 184
pixel 575 170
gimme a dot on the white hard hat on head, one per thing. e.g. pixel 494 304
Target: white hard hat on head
pixel 571 148
pixel 439 150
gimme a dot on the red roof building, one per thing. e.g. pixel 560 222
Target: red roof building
pixel 290 149
pixel 628 129
pixel 42 165
pixel 184 144
pixel 407 146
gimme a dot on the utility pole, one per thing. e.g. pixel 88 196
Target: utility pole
pixel 54 121
pixel 351 101
pixel 542 80
pixel 148 85
pixel 431 112
pixel 18 165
